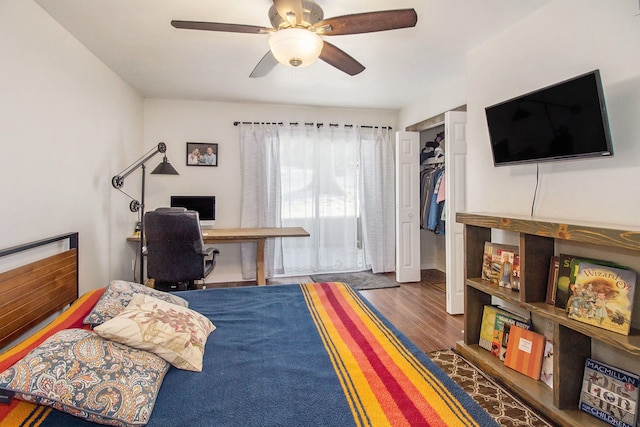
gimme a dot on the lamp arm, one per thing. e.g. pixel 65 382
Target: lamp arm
pixel 118 180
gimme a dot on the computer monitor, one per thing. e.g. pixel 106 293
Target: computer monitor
pixel 204 205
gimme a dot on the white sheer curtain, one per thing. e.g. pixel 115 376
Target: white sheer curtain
pixel 377 177
pixel 319 167
pixel 335 181
pixel 260 199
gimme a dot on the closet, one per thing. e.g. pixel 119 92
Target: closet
pixel 427 235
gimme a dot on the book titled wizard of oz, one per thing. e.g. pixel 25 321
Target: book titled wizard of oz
pixel 603 296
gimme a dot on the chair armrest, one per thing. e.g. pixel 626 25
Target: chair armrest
pixel 211 252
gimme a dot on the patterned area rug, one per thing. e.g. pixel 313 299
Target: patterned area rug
pixel 500 404
pixel 359 280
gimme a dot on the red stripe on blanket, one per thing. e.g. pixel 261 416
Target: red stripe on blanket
pixel 70 318
pixel 358 331
pixel 384 383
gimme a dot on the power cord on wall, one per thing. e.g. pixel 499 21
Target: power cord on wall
pixel 535 192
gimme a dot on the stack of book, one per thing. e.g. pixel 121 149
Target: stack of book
pixel 509 337
pixel 501 265
pixel 592 291
pixel 596 292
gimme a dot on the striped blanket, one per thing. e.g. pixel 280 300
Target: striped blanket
pixel 314 354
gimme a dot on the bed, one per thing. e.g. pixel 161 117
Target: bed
pixel 302 354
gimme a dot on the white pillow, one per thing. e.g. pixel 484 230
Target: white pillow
pixel 177 334
pixel 117 296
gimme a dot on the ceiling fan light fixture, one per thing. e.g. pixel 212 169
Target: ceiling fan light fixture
pixel 295 47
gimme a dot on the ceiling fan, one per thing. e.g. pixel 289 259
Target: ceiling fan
pixel 295 36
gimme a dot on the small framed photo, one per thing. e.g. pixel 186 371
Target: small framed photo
pixel 202 154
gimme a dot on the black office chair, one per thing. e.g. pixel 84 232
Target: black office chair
pixel 176 255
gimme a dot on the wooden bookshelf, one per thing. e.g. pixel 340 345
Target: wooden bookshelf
pixel 572 339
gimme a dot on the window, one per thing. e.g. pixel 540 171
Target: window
pixel 319 187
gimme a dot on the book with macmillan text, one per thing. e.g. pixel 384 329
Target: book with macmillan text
pixel 525 351
pixel 501 265
pixel 603 296
pixel 610 394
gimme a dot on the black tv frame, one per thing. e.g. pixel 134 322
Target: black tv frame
pixel 515 105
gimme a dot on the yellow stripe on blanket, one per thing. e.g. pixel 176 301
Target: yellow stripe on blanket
pixel 384 383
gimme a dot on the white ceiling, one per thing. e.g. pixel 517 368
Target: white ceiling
pixel 135 39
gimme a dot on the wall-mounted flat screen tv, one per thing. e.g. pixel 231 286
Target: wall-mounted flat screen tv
pixel 563 121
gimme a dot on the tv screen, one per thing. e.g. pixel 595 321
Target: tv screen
pixel 204 205
pixel 563 121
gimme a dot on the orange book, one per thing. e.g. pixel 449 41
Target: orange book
pixel 524 352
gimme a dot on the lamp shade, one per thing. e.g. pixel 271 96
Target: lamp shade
pixel 165 168
pixel 295 47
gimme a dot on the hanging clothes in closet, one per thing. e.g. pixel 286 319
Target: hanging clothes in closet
pixel 432 182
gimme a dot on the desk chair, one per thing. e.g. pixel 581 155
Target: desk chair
pixel 176 255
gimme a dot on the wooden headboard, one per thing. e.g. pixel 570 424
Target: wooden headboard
pixel 32 292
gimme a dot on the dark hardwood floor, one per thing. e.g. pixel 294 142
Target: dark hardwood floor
pixel 418 311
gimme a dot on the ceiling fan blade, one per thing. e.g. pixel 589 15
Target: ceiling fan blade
pixel 216 26
pixel 340 59
pixel 368 22
pixel 285 7
pixel 264 67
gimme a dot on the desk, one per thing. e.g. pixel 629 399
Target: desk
pixel 243 235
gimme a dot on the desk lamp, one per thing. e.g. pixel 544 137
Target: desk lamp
pixel 117 181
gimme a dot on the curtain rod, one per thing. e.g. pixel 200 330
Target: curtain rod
pixel 318 125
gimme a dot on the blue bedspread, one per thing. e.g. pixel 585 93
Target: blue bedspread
pixel 264 365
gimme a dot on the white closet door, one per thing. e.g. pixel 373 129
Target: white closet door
pixel 407 207
pixel 455 194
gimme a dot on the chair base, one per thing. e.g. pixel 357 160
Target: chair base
pixel 172 287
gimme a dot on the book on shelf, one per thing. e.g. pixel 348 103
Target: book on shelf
pixel 603 296
pixel 546 371
pixel 501 332
pixel 501 265
pixel 610 394
pixel 567 272
pixel 554 266
pixel 515 273
pixel 525 351
pixel 486 327
pixel 561 287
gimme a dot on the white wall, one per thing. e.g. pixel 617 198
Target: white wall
pixel 179 122
pixel 562 39
pixel 67 124
pixel 447 97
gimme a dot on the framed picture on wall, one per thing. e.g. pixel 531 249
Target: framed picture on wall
pixel 202 154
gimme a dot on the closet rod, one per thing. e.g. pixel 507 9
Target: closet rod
pixel 319 125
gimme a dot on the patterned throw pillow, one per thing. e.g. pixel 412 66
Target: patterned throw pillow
pixel 177 334
pixel 78 372
pixel 117 296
